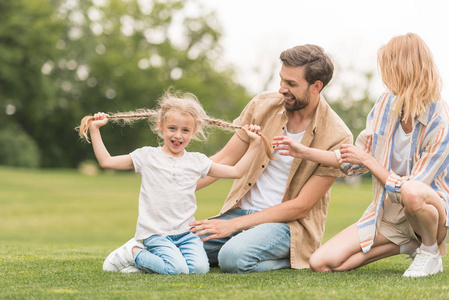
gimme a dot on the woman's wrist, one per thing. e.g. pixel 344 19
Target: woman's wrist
pixel 370 162
pixel 304 153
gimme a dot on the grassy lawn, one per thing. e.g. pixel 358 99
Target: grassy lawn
pixel 56 228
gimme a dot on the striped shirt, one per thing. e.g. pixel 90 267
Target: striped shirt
pixel 428 158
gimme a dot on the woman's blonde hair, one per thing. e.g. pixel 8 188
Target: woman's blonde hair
pixel 185 103
pixel 408 70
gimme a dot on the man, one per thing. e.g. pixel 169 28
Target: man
pixel 274 216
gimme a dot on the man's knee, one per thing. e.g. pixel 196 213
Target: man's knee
pixel 230 260
pixel 262 248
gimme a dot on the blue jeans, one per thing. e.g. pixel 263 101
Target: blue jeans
pixel 261 248
pixel 172 254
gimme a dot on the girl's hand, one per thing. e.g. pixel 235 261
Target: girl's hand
pixel 253 132
pixel 100 119
pixel 291 146
pixel 352 154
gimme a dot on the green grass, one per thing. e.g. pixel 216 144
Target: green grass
pixel 56 228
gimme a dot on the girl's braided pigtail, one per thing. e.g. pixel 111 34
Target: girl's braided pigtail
pixel 152 116
pixel 223 124
pixel 126 118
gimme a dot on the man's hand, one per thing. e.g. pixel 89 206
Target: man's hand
pixel 216 229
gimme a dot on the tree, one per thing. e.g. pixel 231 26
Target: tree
pixel 115 56
pixel 28 33
pixel 353 101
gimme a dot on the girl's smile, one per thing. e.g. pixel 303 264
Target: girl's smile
pixel 176 144
pixel 177 129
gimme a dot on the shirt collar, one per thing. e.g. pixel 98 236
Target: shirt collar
pixel 425 116
pixel 315 119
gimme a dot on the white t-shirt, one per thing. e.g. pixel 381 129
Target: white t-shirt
pixel 393 212
pixel 269 189
pixel 167 200
pixel 401 148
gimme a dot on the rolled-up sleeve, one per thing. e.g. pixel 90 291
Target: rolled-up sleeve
pixel 364 141
pixel 348 168
pixel 326 171
pixel 245 118
pixel 393 186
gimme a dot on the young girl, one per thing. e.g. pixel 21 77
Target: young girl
pixel 163 243
pixel 405 147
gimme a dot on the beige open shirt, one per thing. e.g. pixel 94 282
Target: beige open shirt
pixel 326 131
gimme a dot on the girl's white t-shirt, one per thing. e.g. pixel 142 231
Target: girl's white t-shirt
pixel 167 200
pixel 269 188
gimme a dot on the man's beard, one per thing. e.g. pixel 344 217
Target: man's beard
pixel 299 103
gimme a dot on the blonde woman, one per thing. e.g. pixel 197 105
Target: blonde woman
pixel 405 147
pixel 163 243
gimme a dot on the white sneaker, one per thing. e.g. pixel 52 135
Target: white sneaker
pixel 424 264
pixel 121 259
pixel 132 269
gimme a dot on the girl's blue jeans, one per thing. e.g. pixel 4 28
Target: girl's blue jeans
pixel 173 254
pixel 261 248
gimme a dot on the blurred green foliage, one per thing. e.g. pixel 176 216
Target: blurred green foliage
pixel 353 101
pixel 63 59
pixel 18 149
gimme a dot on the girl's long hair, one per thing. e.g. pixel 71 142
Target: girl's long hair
pixel 185 103
pixel 408 70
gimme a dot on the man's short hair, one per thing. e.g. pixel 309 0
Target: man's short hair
pixel 318 65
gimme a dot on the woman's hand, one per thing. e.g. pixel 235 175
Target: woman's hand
pixel 290 146
pixel 352 154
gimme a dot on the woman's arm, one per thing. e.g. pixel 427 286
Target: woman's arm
pixel 356 156
pixel 298 150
